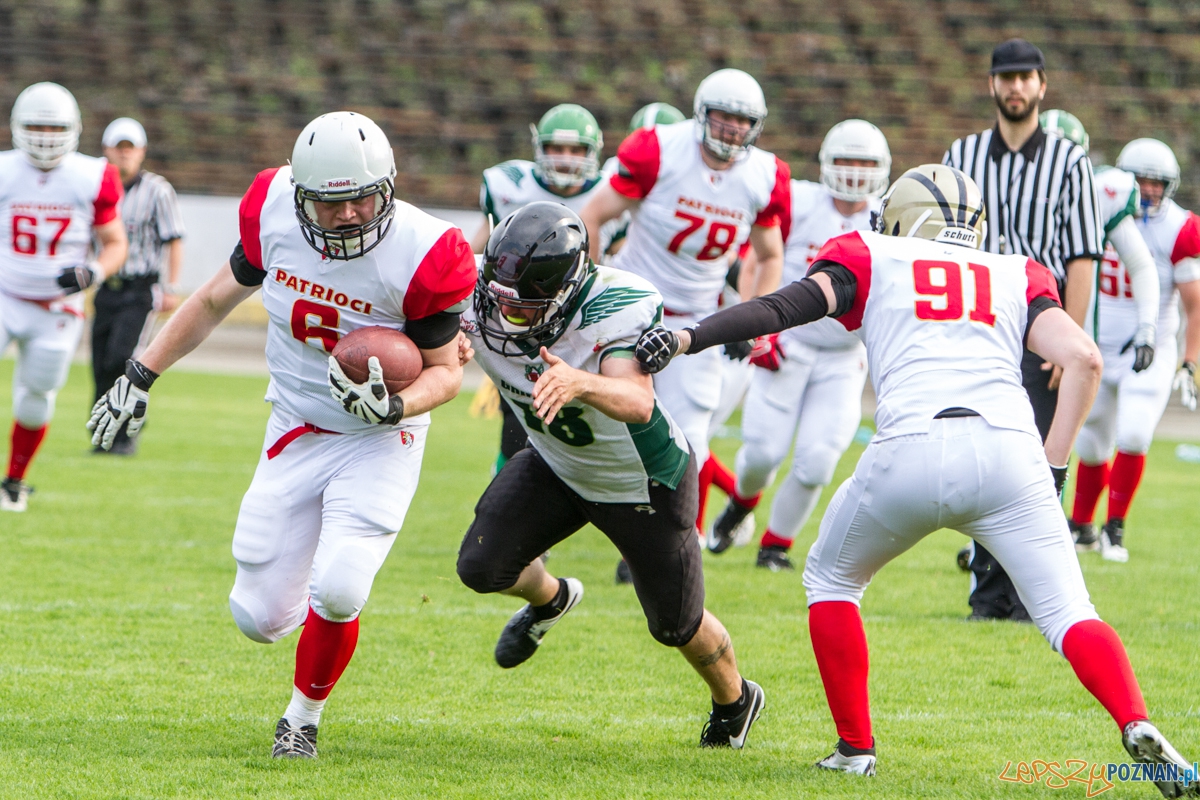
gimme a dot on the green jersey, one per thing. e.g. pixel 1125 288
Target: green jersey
pixel 603 460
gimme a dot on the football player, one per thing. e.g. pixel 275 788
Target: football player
pixel 1139 349
pixel 944 325
pixel 556 335
pixel 695 190
pixel 810 384
pixel 53 200
pixel 333 251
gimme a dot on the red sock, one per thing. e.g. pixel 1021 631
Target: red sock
pixel 840 645
pixel 25 442
pixel 772 539
pixel 1090 481
pixel 705 477
pixel 722 477
pixel 1123 483
pixel 1099 659
pixel 322 654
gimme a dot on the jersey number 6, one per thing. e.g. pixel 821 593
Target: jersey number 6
pixel 720 237
pixel 314 321
pixel 950 286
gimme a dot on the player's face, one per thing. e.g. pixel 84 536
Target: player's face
pixel 347 213
pixel 866 163
pixel 127 158
pixel 1152 191
pixel 565 156
pixel 46 128
pixel 729 128
pixel 1017 94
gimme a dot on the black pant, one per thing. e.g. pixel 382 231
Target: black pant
pixel 995 595
pixel 512 436
pixel 123 307
pixel 527 509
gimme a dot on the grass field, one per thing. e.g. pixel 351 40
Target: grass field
pixel 125 677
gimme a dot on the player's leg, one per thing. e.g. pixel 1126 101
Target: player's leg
pixel 524 511
pixel 657 541
pixel 735 378
pixel 124 321
pixel 512 435
pixel 690 389
pixel 830 413
pixel 1095 447
pixel 1141 401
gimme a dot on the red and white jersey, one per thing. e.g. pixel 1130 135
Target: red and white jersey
pixel 47 218
pixel 690 215
pixel 1173 236
pixel 816 220
pixel 944 327
pixel 422 266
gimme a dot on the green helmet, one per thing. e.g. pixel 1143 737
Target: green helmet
pixel 1066 125
pixel 567 124
pixel 655 114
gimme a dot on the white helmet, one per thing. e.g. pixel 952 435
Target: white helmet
pixel 343 156
pixel 857 139
pixel 734 92
pixel 46 104
pixel 1150 158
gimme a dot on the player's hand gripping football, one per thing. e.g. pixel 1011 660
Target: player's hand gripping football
pixel 558 385
pixel 655 349
pixel 1185 382
pixel 124 404
pixel 368 401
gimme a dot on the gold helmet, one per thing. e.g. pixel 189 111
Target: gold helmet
pixel 935 202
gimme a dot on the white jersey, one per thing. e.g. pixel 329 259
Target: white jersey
pixel 690 215
pixel 816 220
pixel 603 460
pixel 944 328
pixel 422 266
pixel 1173 236
pixel 515 184
pixel 48 216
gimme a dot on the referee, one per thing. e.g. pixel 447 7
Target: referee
pixel 126 304
pixel 1041 202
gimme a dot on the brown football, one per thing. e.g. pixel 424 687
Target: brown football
pixel 399 357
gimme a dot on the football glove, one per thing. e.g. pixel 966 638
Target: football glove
pixel 77 278
pixel 767 353
pixel 655 349
pixel 368 401
pixel 124 404
pixel 1060 479
pixel 1143 347
pixel 1185 382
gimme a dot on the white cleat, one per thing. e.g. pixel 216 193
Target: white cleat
pixel 1112 541
pixel 744 531
pixel 845 758
pixel 1148 746
pixel 14 495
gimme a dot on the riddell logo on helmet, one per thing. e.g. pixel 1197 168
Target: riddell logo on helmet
pixel 958 236
pixel 341 183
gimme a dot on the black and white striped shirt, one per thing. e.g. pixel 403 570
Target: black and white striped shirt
pixel 151 214
pixel 1040 200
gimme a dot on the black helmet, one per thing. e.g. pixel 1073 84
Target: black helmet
pixel 535 266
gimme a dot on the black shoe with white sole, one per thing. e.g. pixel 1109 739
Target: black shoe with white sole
pixel 1084 535
pixel 523 634
pixel 294 742
pixel 732 731
pixel 775 558
pixel 721 534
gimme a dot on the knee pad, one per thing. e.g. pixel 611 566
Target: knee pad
pixel 343 585
pixel 1090 448
pixel 32 408
pixel 251 618
pixel 1136 442
pixel 814 466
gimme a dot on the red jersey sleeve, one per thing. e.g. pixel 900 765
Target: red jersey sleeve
pixel 1187 243
pixel 778 210
pixel 639 159
pixel 109 197
pixel 444 278
pixel 248 216
pixel 851 252
pixel 1039 282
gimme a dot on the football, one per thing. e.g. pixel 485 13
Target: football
pixel 399 357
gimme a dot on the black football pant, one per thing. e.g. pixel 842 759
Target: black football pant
pixel 527 509
pixel 124 309
pixel 995 595
pixel 512 435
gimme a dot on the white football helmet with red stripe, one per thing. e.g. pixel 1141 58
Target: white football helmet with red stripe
pixel 46 105
pixel 734 92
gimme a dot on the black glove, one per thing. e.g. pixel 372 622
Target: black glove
pixel 738 351
pixel 655 349
pixel 1060 479
pixel 76 279
pixel 1143 351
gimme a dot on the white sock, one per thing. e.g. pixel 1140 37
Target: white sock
pixel 303 710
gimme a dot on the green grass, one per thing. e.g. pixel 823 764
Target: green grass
pixel 123 675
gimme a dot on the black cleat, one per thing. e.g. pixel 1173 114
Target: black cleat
pixel 1084 536
pixel 732 732
pixel 963 559
pixel 775 558
pixel 14 495
pixel 724 529
pixel 1112 541
pixel 623 573
pixel 294 742
pixel 523 634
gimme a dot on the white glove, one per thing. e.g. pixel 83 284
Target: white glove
pixel 368 401
pixel 1185 382
pixel 124 403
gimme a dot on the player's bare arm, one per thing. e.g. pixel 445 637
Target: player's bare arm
pixel 608 204
pixel 621 390
pixel 114 246
pixel 1056 337
pixel 438 382
pixel 170 296
pixel 767 244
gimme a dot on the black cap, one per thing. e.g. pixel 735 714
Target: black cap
pixel 1017 55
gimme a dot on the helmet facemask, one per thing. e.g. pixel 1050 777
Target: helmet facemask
pixel 512 325
pixel 560 170
pixel 854 183
pixel 345 243
pixel 716 146
pixel 46 149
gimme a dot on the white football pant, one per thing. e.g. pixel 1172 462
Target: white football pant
pixel 317 522
pixel 735 380
pixel 1128 404
pixel 46 343
pixel 815 398
pixel 992 484
pixel 690 390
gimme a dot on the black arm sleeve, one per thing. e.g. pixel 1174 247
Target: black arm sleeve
pixel 794 304
pixel 845 285
pixel 244 272
pixel 436 330
pixel 1039 304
